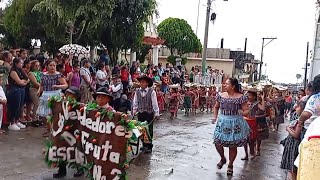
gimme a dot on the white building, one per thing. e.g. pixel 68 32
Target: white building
pixel 315 61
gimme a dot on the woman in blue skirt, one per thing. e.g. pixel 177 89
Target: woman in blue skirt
pixel 232 130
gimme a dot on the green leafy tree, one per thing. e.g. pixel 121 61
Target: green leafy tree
pixel 179 36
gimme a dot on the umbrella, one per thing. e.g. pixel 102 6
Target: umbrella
pixel 76 50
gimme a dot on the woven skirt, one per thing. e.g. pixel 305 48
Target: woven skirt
pixel 290 153
pixel 231 131
pixel 44 109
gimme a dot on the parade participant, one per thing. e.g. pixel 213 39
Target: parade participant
pixel 165 81
pixel 195 99
pixel 187 100
pixel 252 122
pixel 104 98
pixel 116 89
pixel 280 109
pixel 202 97
pixel 211 98
pixel 125 104
pixel 146 105
pixel 73 94
pixel 261 117
pixel 160 98
pixel 174 101
pixel 52 82
pixel 291 144
pixel 232 130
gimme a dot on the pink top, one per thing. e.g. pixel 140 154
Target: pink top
pixel 75 81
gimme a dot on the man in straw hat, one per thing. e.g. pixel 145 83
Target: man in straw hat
pixel 146 106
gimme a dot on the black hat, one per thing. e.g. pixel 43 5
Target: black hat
pixel 75 91
pixel 103 91
pixel 149 80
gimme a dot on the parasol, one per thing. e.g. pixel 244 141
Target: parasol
pixel 76 50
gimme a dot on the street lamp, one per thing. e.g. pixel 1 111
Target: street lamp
pixel 209 17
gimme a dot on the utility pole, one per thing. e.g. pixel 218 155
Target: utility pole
pixel 206 34
pixel 306 67
pixel 262 49
pixel 205 42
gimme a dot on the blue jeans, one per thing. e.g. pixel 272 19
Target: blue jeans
pixel 15 99
pixel 164 89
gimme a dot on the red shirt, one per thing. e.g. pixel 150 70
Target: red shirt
pixel 124 75
pixel 68 69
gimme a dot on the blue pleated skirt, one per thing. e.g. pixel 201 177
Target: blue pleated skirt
pixel 231 131
pixel 43 109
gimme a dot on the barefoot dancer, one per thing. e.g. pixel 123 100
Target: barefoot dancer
pixel 232 130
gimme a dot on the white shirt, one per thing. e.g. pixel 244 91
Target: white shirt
pixel 313 130
pixel 86 73
pixel 313 107
pixel 154 100
pixel 116 90
pixel 2 94
pixel 101 75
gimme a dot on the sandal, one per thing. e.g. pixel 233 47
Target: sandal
pixel 221 163
pixel 230 170
pixel 2 131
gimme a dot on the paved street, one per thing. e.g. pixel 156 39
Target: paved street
pixel 183 151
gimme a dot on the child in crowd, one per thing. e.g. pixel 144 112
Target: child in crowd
pixel 195 99
pixel 187 101
pixel 202 97
pixel 165 80
pixel 211 98
pixel 291 144
pixel 103 98
pixel 174 101
pixel 3 102
pixel 73 94
pixel 160 98
pixel 125 104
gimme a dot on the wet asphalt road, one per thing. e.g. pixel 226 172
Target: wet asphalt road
pixel 183 151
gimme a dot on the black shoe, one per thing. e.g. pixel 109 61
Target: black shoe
pixel 62 172
pixel 78 173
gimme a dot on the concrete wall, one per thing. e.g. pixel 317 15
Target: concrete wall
pixel 227 65
pixel 216 53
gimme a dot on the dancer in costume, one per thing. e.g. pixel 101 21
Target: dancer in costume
pixel 146 106
pixel 232 130
pixel 211 98
pixel 174 101
pixel 202 97
pixel 187 102
pixel 74 94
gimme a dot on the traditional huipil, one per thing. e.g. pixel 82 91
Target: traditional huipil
pixel 211 98
pixel 231 129
pixel 187 100
pixel 202 98
pixel 146 106
pixel 174 102
pixel 160 99
pixel 195 99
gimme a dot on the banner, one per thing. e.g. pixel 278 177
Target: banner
pixel 90 138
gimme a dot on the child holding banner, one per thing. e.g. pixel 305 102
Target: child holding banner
pixel 71 93
pixel 103 98
pixel 145 104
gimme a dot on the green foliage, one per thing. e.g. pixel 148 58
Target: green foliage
pixel 172 59
pixel 143 52
pixel 179 36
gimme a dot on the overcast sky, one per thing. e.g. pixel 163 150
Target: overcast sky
pixel 291 21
